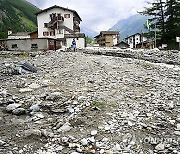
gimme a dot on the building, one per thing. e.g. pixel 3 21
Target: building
pixel 62 24
pixel 33 44
pixel 57 27
pixel 122 45
pixel 107 38
pixel 135 39
pixel 148 44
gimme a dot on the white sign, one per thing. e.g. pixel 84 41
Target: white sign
pixel 177 39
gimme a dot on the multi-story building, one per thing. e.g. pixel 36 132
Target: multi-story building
pixel 60 23
pixel 135 39
pixel 107 38
pixel 57 26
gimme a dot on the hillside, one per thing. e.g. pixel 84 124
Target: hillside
pixel 19 15
pixel 129 26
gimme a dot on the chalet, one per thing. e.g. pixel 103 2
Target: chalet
pixel 135 39
pixel 57 27
pixel 107 38
pixel 62 24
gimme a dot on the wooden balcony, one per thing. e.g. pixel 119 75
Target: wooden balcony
pixel 54 20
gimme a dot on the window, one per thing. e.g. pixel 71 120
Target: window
pixel 52 33
pixel 34 46
pixel 66 15
pixel 45 25
pixel 60 31
pixel 45 33
pixel 14 46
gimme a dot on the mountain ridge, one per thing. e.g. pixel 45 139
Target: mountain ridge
pixel 19 15
pixel 133 24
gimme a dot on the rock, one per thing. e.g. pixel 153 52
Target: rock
pixel 59 148
pixel 93 132
pixel 64 139
pixel 12 107
pixel 34 86
pixel 117 147
pixel 178 126
pixel 23 90
pixel 177 133
pixel 91 139
pixel 2 143
pixel 31 132
pixel 75 153
pixel 84 141
pixel 105 139
pixel 102 151
pixel 19 111
pixel 66 127
pixel 160 147
pixel 34 108
pixel 39 115
pixel 2 121
pixel 107 127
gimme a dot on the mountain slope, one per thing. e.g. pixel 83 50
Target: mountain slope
pixel 19 15
pixel 133 24
pixel 88 32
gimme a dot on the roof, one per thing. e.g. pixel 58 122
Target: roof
pixel 20 34
pixel 122 42
pixel 133 35
pixel 59 7
pixel 33 32
pixel 107 33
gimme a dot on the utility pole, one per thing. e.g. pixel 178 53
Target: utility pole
pixel 155 41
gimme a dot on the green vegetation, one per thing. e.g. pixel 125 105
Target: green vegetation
pixel 165 18
pixel 19 15
pixel 89 40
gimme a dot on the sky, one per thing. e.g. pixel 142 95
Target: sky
pixel 97 15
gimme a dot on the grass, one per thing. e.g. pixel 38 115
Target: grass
pixel 104 104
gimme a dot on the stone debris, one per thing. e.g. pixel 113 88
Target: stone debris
pixel 102 101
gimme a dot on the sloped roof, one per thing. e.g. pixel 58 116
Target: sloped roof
pixel 20 34
pixel 107 33
pixel 133 35
pixel 59 7
pixel 110 32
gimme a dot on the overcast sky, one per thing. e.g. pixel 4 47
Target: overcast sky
pixel 97 15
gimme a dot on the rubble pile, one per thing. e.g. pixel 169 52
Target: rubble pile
pixel 154 55
pixel 86 103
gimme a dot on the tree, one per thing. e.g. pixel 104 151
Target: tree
pixel 172 24
pixel 156 12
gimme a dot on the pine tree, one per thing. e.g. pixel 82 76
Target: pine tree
pixel 156 12
pixel 172 25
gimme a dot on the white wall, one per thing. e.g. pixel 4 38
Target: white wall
pixel 45 18
pixel 80 42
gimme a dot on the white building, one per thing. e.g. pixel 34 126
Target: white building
pixel 60 23
pixel 135 39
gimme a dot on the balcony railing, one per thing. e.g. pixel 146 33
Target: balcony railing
pixel 54 20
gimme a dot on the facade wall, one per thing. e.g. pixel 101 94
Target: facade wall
pixel 44 17
pixel 134 40
pixel 26 44
pixel 80 42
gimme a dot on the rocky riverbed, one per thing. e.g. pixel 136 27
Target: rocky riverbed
pixel 81 102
